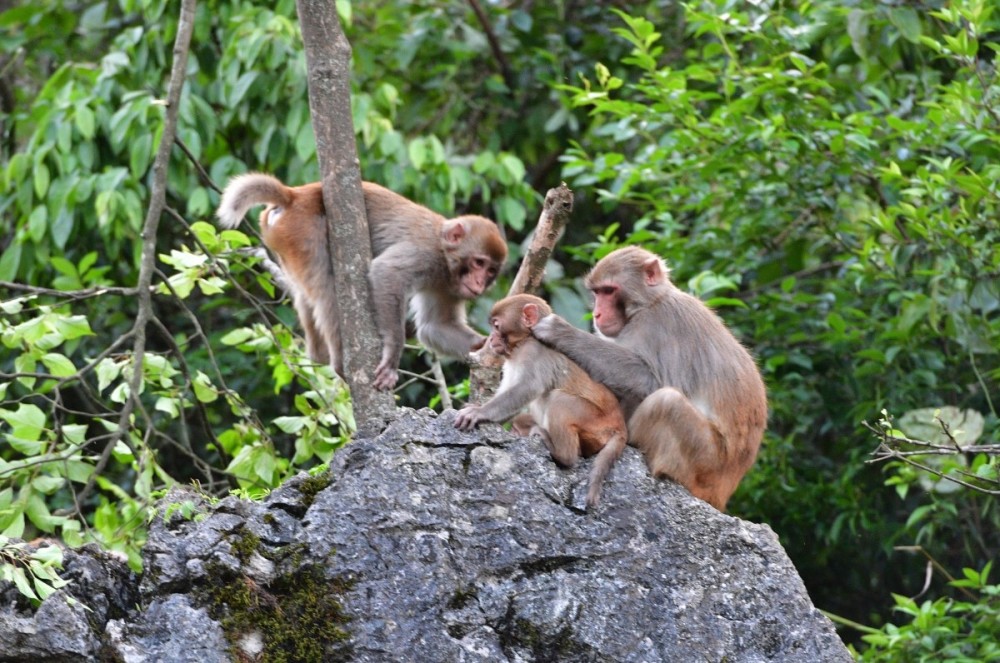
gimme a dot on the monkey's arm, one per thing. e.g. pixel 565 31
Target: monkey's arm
pixel 529 374
pixel 618 368
pixel 441 325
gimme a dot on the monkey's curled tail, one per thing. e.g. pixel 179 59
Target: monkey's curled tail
pixel 245 191
pixel 603 462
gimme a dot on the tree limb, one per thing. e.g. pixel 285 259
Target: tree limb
pixel 328 56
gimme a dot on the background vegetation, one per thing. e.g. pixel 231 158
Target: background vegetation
pixel 825 174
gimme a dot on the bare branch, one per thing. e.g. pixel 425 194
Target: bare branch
pixel 556 209
pixel 498 54
pixel 891 448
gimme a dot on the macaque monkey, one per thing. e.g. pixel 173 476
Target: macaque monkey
pixel 573 415
pixel 419 256
pixel 693 396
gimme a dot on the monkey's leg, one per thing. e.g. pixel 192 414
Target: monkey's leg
pixel 523 424
pixel 563 423
pixel 679 442
pixel 319 321
pixel 316 345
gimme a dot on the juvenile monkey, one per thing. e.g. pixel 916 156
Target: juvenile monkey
pixel 574 415
pixel 694 399
pixel 419 256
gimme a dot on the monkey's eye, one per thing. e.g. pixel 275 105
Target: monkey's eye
pixel 604 290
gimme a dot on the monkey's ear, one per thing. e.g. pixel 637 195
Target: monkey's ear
pixel 453 232
pixel 530 315
pixel 652 272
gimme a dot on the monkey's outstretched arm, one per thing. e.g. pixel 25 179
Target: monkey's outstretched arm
pixel 618 368
pixel 441 325
pixel 533 371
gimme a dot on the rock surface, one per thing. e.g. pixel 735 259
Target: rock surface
pixel 427 544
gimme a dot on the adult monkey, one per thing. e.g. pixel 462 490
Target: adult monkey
pixel 693 397
pixel 421 257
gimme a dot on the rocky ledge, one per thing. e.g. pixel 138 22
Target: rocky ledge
pixel 426 544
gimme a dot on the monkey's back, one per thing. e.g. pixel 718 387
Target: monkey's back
pixel 393 219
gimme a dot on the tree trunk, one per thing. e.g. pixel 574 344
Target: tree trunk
pixel 328 57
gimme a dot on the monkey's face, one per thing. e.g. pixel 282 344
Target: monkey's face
pixel 476 273
pixel 506 333
pixel 609 309
pixel 498 343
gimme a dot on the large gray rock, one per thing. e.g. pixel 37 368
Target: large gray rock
pixel 433 545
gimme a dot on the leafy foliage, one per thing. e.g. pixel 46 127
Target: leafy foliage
pixel 944 629
pixel 33 572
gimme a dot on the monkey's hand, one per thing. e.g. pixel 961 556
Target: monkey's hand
pixel 386 375
pixel 546 329
pixel 469 417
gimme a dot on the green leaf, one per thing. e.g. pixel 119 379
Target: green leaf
pixel 38 511
pixel 38 223
pixel 108 371
pixel 41 178
pixel 43 589
pixel 85 123
pixel 264 465
pixel 47 484
pixel 290 425
pixel 15 529
pixel 140 154
pixel 483 163
pixel 241 87
pixel 10 261
pixel 59 365
pixel 74 326
pixel 907 21
pixel 50 554
pixel 238 336
pixel 417 150
pixel 344 12
pixel 719 302
pixel 857 29
pixel 22 584
pixel 514 166
pixel 63 266
pixel 168 405
pixel 27 422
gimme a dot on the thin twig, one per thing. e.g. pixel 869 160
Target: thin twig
pixel 158 194
pixel 491 37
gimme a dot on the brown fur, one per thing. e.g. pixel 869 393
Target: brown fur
pixel 420 257
pixel 693 396
pixel 574 415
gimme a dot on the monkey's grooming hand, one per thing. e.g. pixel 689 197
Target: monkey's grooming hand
pixel 469 417
pixel 385 375
pixel 549 327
